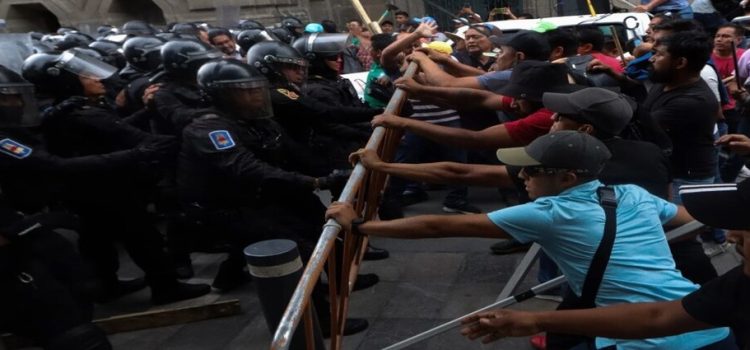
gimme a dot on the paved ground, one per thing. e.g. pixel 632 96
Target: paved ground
pixel 423 283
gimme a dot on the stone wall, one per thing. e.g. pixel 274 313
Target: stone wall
pixel 47 15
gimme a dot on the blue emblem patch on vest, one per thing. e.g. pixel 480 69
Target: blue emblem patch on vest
pixel 221 139
pixel 15 149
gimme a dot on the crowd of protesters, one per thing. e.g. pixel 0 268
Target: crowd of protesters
pixel 194 137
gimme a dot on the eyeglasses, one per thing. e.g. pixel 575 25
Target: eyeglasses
pixel 532 171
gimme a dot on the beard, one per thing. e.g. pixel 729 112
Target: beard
pixel 660 77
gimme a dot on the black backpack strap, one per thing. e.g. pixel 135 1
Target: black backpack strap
pixel 594 276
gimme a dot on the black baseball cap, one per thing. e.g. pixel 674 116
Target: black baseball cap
pixel 533 45
pixel 530 80
pixel 571 150
pixel 606 110
pixel 719 205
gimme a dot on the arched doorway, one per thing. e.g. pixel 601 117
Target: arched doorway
pixel 146 10
pixel 31 17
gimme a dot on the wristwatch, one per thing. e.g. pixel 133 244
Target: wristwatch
pixel 355 226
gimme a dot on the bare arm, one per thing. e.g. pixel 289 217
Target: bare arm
pixel 625 321
pixel 389 56
pixel 463 98
pixel 682 218
pixel 438 173
pixel 490 138
pixel 416 227
pixel 450 65
pixel 437 77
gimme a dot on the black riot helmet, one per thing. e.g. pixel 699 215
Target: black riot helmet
pixel 320 49
pixel 143 53
pixel 236 88
pixel 17 103
pixel 293 25
pixel 283 34
pixel 137 27
pixel 247 38
pixel 247 24
pixel 321 45
pixel 60 74
pixel 269 57
pixel 73 39
pixel 182 58
pixel 104 30
pixel 111 52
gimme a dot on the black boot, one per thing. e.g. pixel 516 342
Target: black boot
pixel 113 290
pixel 177 291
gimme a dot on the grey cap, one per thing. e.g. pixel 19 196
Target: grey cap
pixel 571 150
pixel 607 111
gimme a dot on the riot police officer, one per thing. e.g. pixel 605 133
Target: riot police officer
pixel 45 295
pixel 236 172
pixel 111 203
pixel 304 118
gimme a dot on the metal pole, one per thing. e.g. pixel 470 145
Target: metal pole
pixel 276 267
pixel 500 304
pixel 521 271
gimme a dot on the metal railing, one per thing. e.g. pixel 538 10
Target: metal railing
pixel 363 190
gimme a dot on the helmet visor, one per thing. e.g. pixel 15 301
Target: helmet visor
pixel 85 66
pixel 250 100
pixel 18 106
pixel 326 44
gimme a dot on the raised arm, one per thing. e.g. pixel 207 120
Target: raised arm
pixel 438 77
pixel 389 56
pixel 462 98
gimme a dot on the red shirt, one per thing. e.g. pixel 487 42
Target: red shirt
pixel 725 66
pixel 609 61
pixel 528 128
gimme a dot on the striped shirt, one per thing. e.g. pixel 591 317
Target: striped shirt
pixel 432 114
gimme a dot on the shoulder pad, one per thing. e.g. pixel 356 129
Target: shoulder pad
pixel 221 139
pixel 14 149
pixel 289 94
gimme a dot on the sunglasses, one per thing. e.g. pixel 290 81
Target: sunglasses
pixel 532 171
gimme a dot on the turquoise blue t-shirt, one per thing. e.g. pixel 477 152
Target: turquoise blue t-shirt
pixel 569 228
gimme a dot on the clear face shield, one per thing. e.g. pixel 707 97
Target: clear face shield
pixel 326 44
pixel 85 66
pixel 18 106
pixel 250 100
pixel 293 69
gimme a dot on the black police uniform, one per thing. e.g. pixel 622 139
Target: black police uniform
pixel 308 121
pixel 111 203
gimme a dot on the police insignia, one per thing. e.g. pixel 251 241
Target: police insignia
pixel 14 149
pixel 221 139
pixel 291 94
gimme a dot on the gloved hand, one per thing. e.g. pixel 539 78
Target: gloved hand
pixel 159 147
pixel 335 181
pixel 68 105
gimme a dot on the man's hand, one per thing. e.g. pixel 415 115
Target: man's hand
pixel 148 95
pixel 496 324
pixel 417 56
pixel 389 121
pixel 427 29
pixel 438 57
pixel 409 85
pixel 343 213
pixel 640 8
pixel 369 158
pixel 737 143
pixel 596 66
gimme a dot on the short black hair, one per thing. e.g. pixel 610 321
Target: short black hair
pixel 694 46
pixel 565 38
pixel 679 25
pixel 738 30
pixel 386 22
pixel 401 13
pixel 217 32
pixel 591 35
pixel 381 41
pixel 355 20
pixel 329 26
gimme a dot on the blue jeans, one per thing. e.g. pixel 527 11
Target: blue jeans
pixel 416 149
